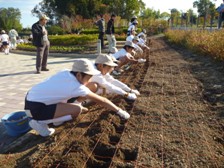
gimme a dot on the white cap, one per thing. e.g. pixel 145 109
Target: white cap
pixel 85 66
pixel 43 17
pixel 105 59
pixel 136 38
pixel 130 44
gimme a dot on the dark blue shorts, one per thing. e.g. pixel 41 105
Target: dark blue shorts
pixel 40 111
pixel 4 43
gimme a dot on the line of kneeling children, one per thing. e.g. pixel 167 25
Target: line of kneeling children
pixel 50 101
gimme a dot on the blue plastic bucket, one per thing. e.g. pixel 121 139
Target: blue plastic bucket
pixel 16 123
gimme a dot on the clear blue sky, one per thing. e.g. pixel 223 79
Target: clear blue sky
pixel 25 7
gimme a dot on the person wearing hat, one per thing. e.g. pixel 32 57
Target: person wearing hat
pixel 142 33
pixel 106 83
pixel 135 40
pixel 124 56
pixel 47 102
pixel 142 40
pixel 40 40
pixel 110 32
pixel 132 27
pixel 4 38
pixel 132 20
pixel 138 49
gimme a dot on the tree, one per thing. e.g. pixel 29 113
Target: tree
pixel 88 8
pixel 175 14
pixel 203 7
pixel 150 13
pixel 165 15
pixel 212 13
pixel 10 18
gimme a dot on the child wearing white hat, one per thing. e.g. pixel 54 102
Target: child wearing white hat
pixel 106 83
pixel 47 102
pixel 124 56
pixel 132 27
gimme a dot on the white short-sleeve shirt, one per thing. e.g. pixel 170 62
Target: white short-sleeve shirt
pixel 121 53
pixel 4 38
pixel 130 38
pixel 58 88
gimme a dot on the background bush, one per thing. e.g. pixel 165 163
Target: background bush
pixel 201 41
pixel 74 39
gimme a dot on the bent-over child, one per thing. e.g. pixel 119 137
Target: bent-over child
pixel 47 102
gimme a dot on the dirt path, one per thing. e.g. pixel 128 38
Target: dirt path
pixel 176 122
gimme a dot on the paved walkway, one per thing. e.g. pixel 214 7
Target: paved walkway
pixel 17 76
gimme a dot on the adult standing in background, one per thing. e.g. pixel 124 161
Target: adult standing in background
pixel 110 32
pixel 13 38
pixel 40 40
pixel 220 9
pixel 101 25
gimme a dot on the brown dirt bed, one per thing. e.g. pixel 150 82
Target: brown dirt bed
pixel 176 122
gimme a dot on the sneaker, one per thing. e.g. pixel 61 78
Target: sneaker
pixel 41 128
pixel 44 69
pixel 116 72
pixel 123 114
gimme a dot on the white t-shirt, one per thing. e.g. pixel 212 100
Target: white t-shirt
pixel 4 38
pixel 130 38
pixel 131 28
pixel 58 88
pixel 110 84
pixel 121 53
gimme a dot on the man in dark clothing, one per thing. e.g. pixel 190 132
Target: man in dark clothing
pixel 40 40
pixel 220 9
pixel 101 24
pixel 110 33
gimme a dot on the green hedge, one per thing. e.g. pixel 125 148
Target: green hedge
pixel 70 43
pixel 66 40
pixel 30 47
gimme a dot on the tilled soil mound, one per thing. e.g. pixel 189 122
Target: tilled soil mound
pixel 177 121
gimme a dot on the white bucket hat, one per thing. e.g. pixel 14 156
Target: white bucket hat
pixel 136 38
pixel 130 44
pixel 105 59
pixel 85 66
